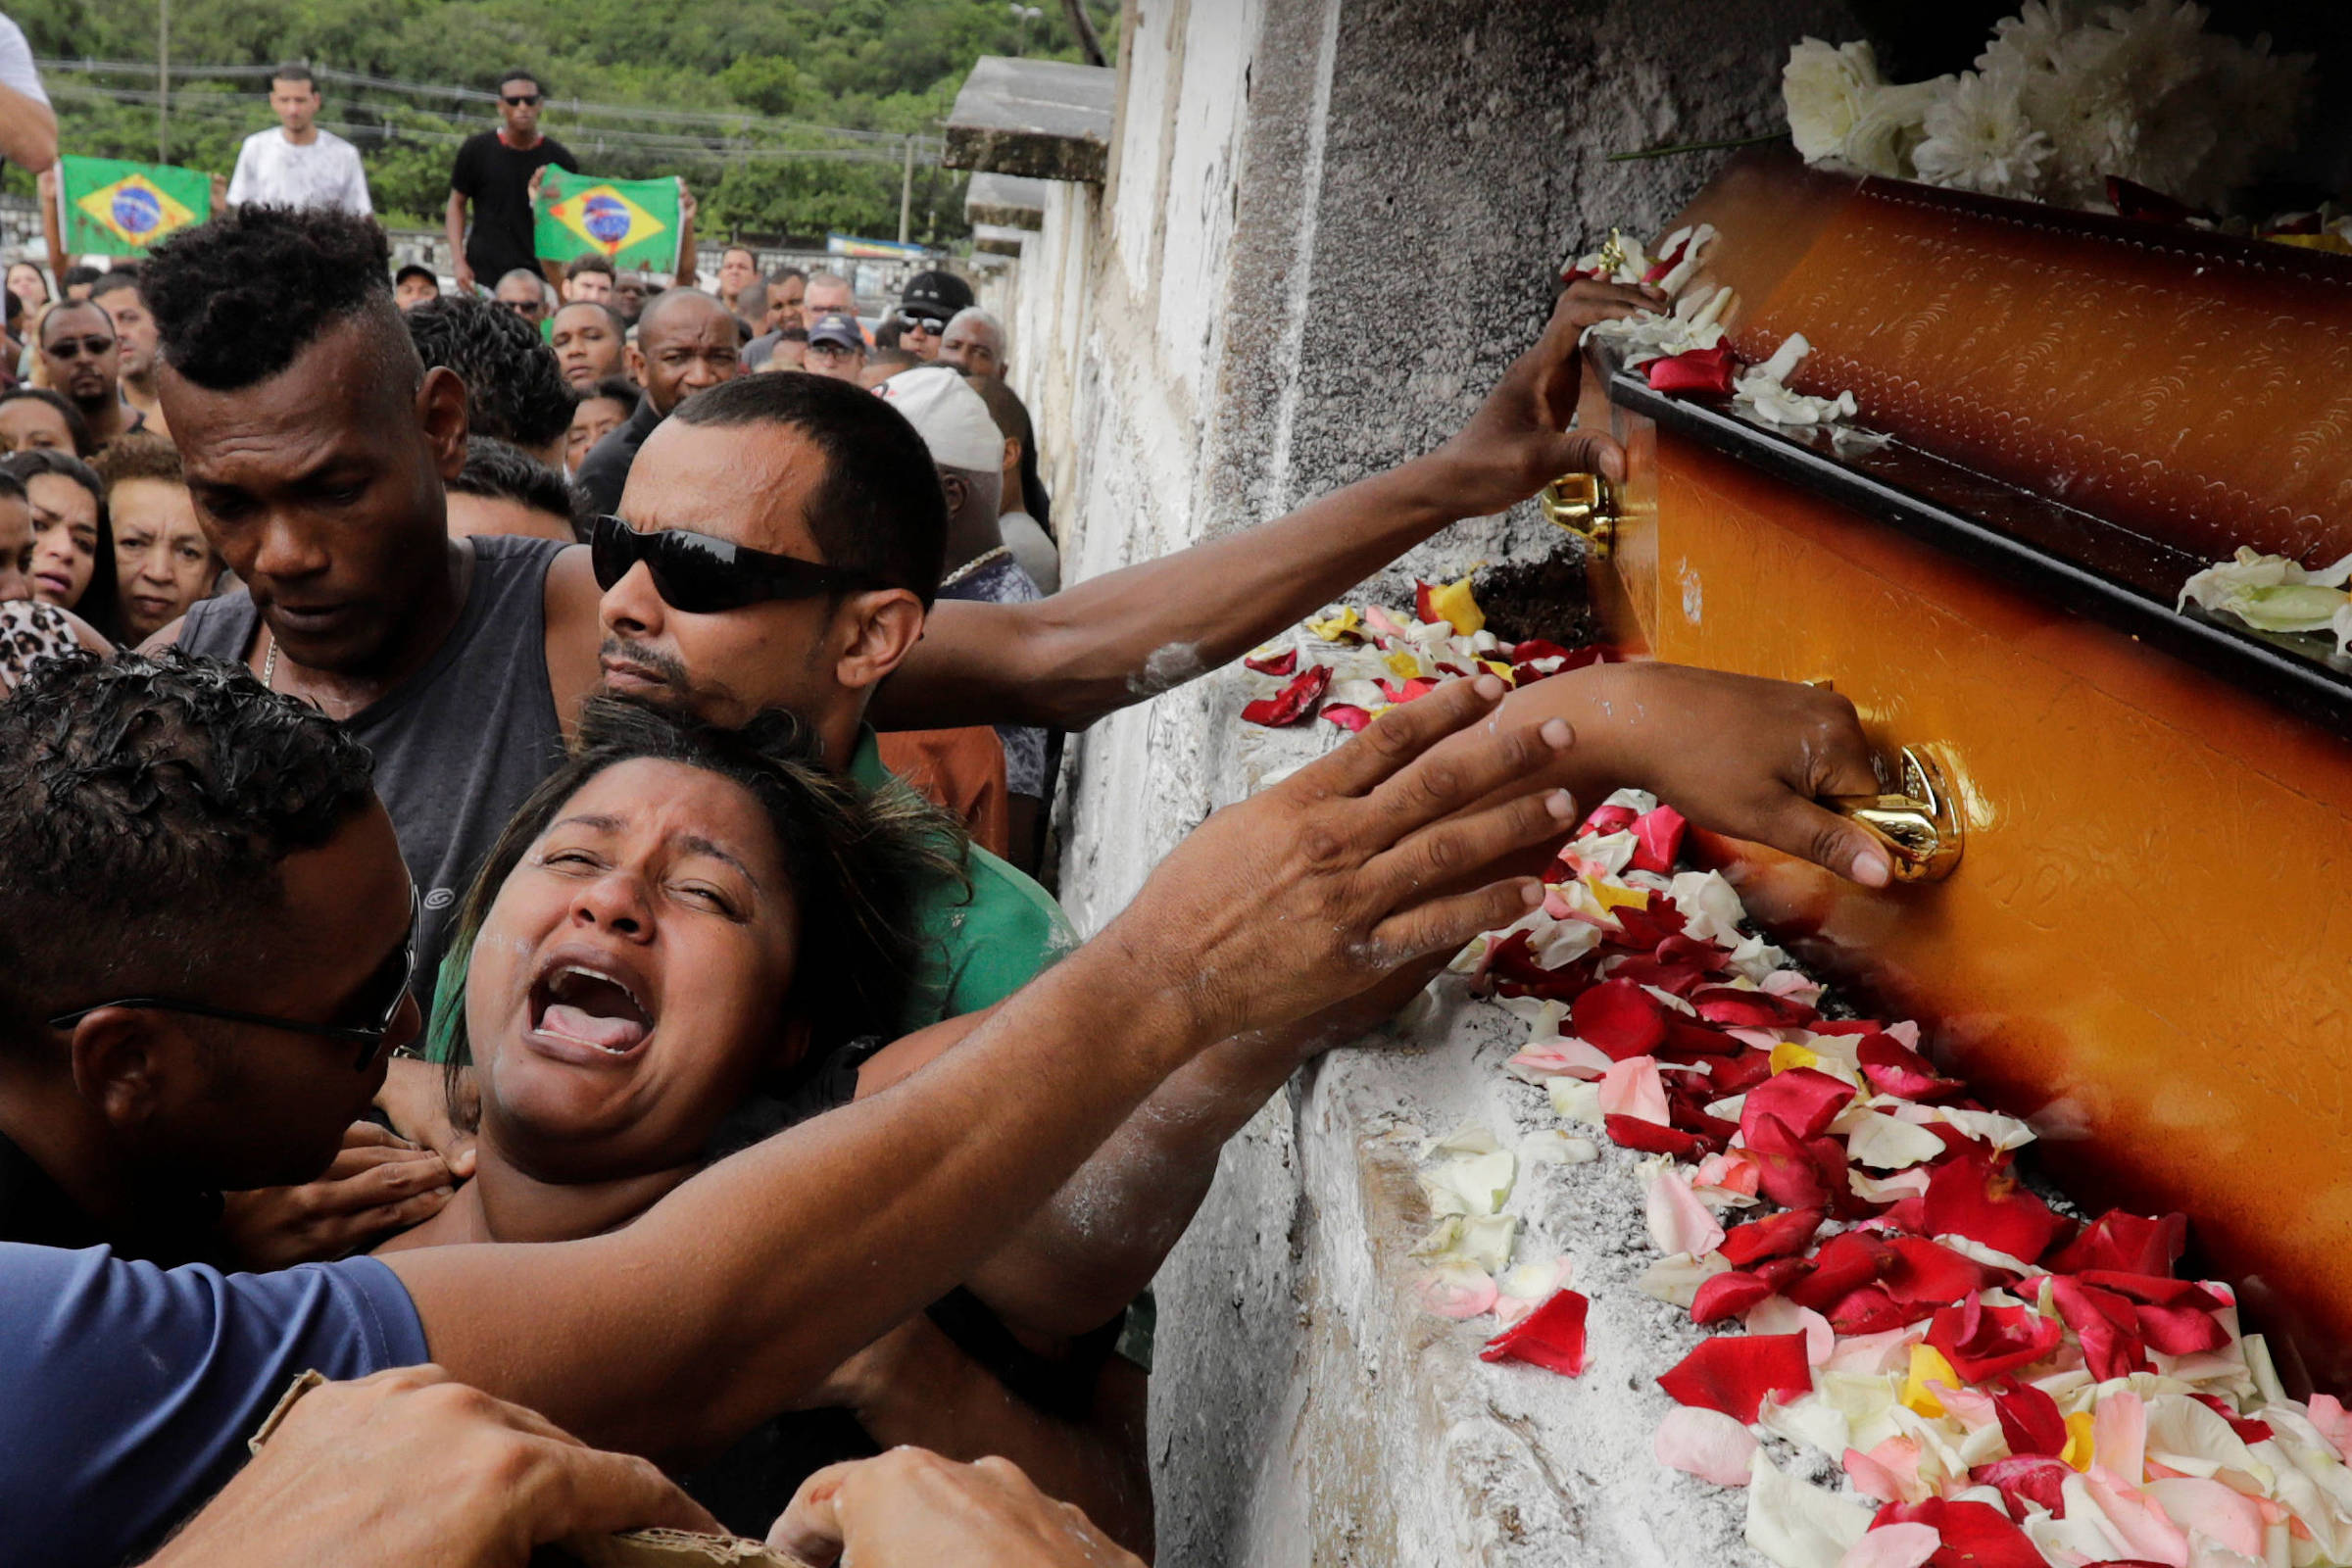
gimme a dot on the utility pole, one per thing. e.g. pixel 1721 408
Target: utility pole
pixel 163 82
pixel 907 192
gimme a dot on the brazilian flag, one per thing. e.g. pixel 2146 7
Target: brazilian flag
pixel 113 207
pixel 632 223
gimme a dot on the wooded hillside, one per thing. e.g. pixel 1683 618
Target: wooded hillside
pixel 789 116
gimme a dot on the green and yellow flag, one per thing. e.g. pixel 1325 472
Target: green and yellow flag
pixel 111 207
pixel 634 222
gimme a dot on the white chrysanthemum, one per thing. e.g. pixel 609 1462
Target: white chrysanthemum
pixel 1978 136
pixel 1892 122
pixel 1825 91
pixel 2029 41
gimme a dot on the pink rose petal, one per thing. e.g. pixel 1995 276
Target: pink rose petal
pixel 2147 1534
pixel 2119 1434
pixel 1678 1221
pixel 1631 1088
pixel 1706 1444
pixel 2335 1422
pixel 1892 1546
pixel 1456 1292
pixel 2208 1509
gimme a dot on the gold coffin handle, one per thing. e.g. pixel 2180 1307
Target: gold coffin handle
pixel 1585 504
pixel 1921 827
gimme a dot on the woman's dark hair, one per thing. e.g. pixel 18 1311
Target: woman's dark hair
pixel 619 388
pixel 75 425
pixel 856 859
pixel 101 602
pixel 1011 415
pixel 46 296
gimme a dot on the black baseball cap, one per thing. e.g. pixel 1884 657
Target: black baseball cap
pixel 937 295
pixel 839 329
pixel 413 270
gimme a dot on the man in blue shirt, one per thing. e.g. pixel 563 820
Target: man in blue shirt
pixel 205 939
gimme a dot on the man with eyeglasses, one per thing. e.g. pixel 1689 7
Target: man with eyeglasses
pixel 836 349
pixel 493 172
pixel 84 355
pixel 201 941
pixel 925 309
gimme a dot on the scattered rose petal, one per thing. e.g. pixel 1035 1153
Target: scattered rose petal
pixel 2147 1534
pixel 1750 1009
pixel 1678 1221
pixel 2026 1479
pixel 1553 1336
pixel 1660 836
pixel 1806 1101
pixel 2127 1242
pixel 1293 702
pixel 1796 1524
pixel 1974 1535
pixel 1734 1373
pixel 1726 1295
pixel 1893 1545
pixel 1983 1342
pixel 1975 1197
pixel 2030 1421
pixel 1648 1138
pixel 1620 1017
pixel 1694 372
pixel 1631 1088
pixel 1283 664
pixel 1775 1236
pixel 1706 1444
pixel 1456 1291
pixel 1347 716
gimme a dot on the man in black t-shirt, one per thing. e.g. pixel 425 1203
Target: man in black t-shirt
pixel 494 171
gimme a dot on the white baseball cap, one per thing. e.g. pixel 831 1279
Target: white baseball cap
pixel 952 420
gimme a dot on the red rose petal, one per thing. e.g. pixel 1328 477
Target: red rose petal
pixel 1294 701
pixel 1975 1534
pixel 2152 1290
pixel 2031 1422
pixel 1553 1336
pixel 1658 838
pixel 1619 1018
pixel 1932 1273
pixel 1978 1196
pixel 1872 1310
pixel 2129 1242
pixel 1796 1172
pixel 1408 691
pixel 1647 1137
pixel 1737 1075
pixel 1842 1265
pixel 1285 662
pixel 1735 1008
pixel 2105 1323
pixel 1728 1295
pixel 1735 1372
pixel 1696 373
pixel 1783 1273
pixel 1536 648
pixel 2024 1479
pixel 1893 1068
pixel 1776 1235
pixel 1423 610
pixel 2248 1431
pixel 1641 930
pixel 1983 1342
pixel 1804 1101
pixel 2181 1330
pixel 1687 1034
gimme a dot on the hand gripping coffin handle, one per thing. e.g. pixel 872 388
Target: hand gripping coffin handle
pixel 1585 504
pixel 1921 826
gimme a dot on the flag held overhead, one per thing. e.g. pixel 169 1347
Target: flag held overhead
pixel 108 207
pixel 632 223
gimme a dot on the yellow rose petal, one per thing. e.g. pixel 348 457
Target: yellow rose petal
pixel 1343 624
pixel 2078 1441
pixel 1613 896
pixel 1928 1365
pixel 1455 603
pixel 1788 1055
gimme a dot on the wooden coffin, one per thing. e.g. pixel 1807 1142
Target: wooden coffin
pixel 2147 945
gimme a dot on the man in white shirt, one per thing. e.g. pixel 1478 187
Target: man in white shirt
pixel 299 164
pixel 27 125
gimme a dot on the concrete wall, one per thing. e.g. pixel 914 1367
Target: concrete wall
pixel 1328 227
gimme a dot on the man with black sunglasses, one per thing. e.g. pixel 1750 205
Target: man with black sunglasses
pixel 493 172
pixel 925 309
pixel 84 355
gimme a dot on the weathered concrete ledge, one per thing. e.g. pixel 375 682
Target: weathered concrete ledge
pixel 1009 200
pixel 1039 119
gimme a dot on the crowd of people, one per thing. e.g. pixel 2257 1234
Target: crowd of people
pixel 523 816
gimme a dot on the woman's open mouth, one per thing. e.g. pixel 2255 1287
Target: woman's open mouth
pixel 581 1013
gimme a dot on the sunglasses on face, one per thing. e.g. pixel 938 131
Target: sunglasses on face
pixel 369 1015
pixel 74 348
pixel 701 576
pixel 518 99
pixel 910 322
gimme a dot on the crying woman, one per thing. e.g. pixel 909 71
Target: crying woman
pixel 689 936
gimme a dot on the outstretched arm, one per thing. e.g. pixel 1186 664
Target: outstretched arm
pixel 1741 756
pixel 1117 639
pixel 735 1295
